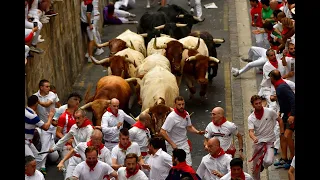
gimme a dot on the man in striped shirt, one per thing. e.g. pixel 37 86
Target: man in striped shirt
pixel 31 121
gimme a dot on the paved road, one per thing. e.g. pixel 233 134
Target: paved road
pixel 224 91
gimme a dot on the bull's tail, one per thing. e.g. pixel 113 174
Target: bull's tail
pixel 87 94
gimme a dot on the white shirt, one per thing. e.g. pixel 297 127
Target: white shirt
pixel 104 155
pixel 109 124
pixel 59 111
pixel 228 176
pixel 31 122
pixel 118 154
pixel 36 176
pixel 263 129
pixel 83 13
pixel 267 68
pixel 176 128
pixel 122 175
pixel 160 165
pixel 141 137
pixel 79 134
pixel 208 164
pixel 43 112
pixel 223 133
pixel 278 26
pixel 293 162
pixel 291 62
pixel 82 171
pixel 95 4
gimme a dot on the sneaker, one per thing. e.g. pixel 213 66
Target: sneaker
pixel 132 15
pixel 148 6
pixel 86 55
pixel 191 10
pixel 39 39
pixel 89 60
pixel 51 13
pixel 99 51
pixel 287 164
pixel 246 60
pixel 280 162
pixel 235 72
pixel 43 171
pixel 35 49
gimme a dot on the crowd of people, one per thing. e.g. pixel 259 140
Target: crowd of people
pixel 112 151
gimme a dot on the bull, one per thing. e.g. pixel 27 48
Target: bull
pixel 152 61
pixel 212 44
pixel 124 40
pixel 195 70
pixel 108 87
pixel 173 53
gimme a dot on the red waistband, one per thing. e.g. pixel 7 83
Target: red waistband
pixel 144 153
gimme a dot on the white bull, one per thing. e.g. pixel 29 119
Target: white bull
pixel 160 42
pixel 156 84
pixel 133 39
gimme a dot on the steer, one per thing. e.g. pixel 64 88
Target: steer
pixel 108 87
pixel 123 63
pixel 124 40
pixel 212 44
pixel 195 70
pixel 152 61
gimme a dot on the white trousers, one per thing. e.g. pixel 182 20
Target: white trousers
pixel 64 152
pixel 126 3
pixel 267 160
pixel 277 133
pixel 259 57
pixel 197 5
pixel 26 51
pixel 73 162
pixel 31 150
pixel 185 147
pixel 96 29
pixel 47 141
pixel 262 39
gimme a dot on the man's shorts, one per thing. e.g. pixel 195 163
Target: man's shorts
pixel 86 27
pixel 287 125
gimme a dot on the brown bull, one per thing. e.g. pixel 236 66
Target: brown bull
pixel 115 45
pixel 195 70
pixel 118 65
pixel 174 51
pixel 108 87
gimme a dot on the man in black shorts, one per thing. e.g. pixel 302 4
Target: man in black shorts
pixel 286 100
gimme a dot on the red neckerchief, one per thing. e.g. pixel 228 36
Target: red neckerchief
pixel 124 148
pixel 259 113
pixel 27 174
pixel 288 55
pixel 274 63
pixel 182 114
pixel 92 166
pixel 85 123
pixel 221 152
pixel 278 82
pixel 89 143
pixel 242 176
pixel 285 30
pixel 109 110
pixel 139 125
pixel 134 173
pixel 86 2
pixel 222 121
pixel 183 166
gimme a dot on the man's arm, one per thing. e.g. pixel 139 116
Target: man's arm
pixel 66 157
pixel 106 130
pixel 45 104
pixel 62 141
pixel 89 11
pixel 194 130
pixel 48 123
pixel 115 164
pixel 240 140
pixel 166 137
pixel 129 119
pixel 252 136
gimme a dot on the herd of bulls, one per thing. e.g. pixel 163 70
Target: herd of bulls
pixel 151 63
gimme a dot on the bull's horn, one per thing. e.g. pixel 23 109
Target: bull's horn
pixel 193 48
pixel 180 16
pixel 86 105
pixel 214 59
pixel 131 44
pixel 160 27
pixel 122 73
pixel 164 35
pixel 95 61
pixel 144 34
pixel 218 41
pixel 131 80
pixel 130 61
pixel 198 19
pixel 158 47
pixel 101 45
pixel 192 58
pixel 180 25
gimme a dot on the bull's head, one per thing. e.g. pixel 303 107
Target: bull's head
pixel 159 114
pixel 117 64
pixel 98 108
pixel 171 29
pixel 200 64
pixel 115 45
pixel 174 51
